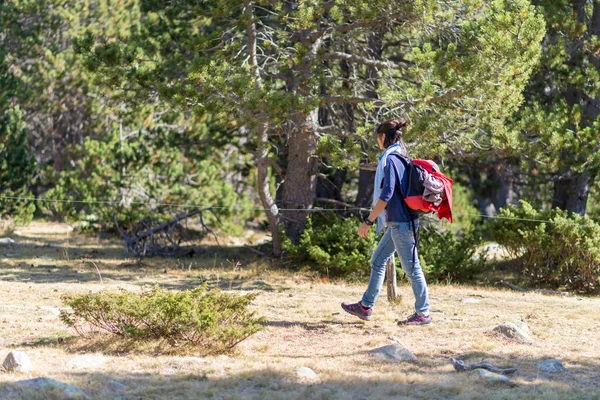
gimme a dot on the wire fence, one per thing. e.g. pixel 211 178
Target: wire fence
pixel 211 207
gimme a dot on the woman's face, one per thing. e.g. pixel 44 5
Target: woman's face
pixel 381 140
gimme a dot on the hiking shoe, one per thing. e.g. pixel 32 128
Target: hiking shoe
pixel 416 319
pixel 358 310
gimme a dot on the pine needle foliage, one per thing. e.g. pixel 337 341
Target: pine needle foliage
pixel 210 321
pixel 552 247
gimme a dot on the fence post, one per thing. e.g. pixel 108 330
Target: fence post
pixel 390 277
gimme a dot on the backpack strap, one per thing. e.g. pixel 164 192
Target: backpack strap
pixel 408 165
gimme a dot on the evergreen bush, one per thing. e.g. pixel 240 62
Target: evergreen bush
pixel 17 167
pixel 449 257
pixel 552 247
pixel 143 178
pixel 330 245
pixel 17 164
pixel 209 320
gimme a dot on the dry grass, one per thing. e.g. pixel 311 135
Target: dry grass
pixel 305 328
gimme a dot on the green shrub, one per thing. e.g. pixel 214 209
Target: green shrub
pixel 445 256
pixel 142 179
pixel 463 207
pixel 17 167
pixel 593 204
pixel 213 321
pixel 17 163
pixel 561 251
pixel 331 246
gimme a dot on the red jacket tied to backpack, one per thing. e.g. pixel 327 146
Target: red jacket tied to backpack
pixel 420 171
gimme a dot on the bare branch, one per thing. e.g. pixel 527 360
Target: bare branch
pixel 350 100
pixel 360 60
pixel 328 5
pixel 97 269
pixel 333 130
pixel 340 203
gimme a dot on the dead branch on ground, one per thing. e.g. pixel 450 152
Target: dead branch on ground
pixel 148 239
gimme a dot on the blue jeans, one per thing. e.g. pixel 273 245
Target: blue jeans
pixel 398 237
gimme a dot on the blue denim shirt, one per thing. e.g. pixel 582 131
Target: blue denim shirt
pixel 395 181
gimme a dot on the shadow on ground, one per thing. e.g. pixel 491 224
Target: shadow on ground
pixel 271 384
pixel 43 261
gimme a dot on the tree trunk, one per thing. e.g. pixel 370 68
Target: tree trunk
pixel 329 186
pixel 391 282
pixel 262 139
pixel 264 191
pixel 299 188
pixel 366 179
pixel 571 193
pixel 300 185
pixel 496 190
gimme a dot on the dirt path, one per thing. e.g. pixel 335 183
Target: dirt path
pixel 305 327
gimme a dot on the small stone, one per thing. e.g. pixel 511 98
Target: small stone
pixel 86 361
pixel 17 361
pixel 51 310
pixel 116 386
pixel 64 390
pixel 514 332
pixel 551 365
pixel 491 376
pixel 191 360
pixel 470 300
pixel 6 241
pixel 393 353
pixel 305 373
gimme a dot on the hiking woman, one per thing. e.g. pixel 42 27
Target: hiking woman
pixel 389 207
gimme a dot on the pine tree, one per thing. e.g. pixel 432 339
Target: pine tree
pixel 17 164
pixel 559 127
pixel 455 69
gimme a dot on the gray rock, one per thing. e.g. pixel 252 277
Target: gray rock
pixel 17 361
pixel 491 376
pixel 523 326
pixel 393 353
pixel 551 365
pixel 518 333
pixel 64 390
pixel 116 386
pixel 6 241
pixel 86 361
pixel 306 374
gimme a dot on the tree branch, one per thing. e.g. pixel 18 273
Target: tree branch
pixel 332 130
pixel 360 60
pixel 350 100
pixel 339 203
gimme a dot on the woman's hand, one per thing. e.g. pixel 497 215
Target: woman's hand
pixel 363 230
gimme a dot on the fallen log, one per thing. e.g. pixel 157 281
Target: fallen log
pixel 460 365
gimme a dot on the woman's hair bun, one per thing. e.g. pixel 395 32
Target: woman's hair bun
pixel 393 130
